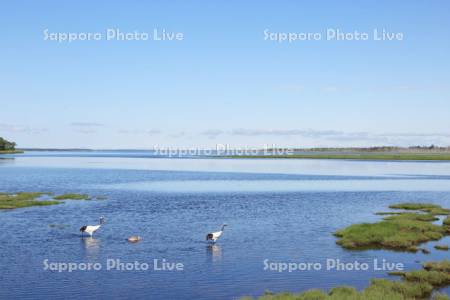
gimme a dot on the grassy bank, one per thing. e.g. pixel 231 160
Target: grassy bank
pixel 398 231
pixel 358 156
pixel 10 151
pixel 27 199
pixel 418 284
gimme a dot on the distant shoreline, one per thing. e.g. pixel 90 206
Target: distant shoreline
pixel 371 154
pixel 78 149
pixel 11 151
pixel 355 156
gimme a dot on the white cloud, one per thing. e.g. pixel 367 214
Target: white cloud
pixel 86 124
pixel 15 128
pixel 212 133
pixel 177 134
pixel 139 131
pixel 280 132
pixel 87 131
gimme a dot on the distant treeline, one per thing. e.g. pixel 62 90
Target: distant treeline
pixel 431 148
pixel 411 149
pixel 56 149
pixel 6 145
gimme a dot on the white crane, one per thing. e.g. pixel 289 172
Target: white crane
pixel 90 229
pixel 214 236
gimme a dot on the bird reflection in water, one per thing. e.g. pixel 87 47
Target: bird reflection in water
pixel 214 252
pixel 91 246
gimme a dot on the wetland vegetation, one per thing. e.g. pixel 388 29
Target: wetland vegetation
pixel 24 199
pixel 441 247
pixel 420 153
pixel 419 284
pixel 358 156
pixel 27 199
pixel 72 196
pixel 399 230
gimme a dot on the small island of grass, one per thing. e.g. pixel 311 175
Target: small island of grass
pixel 424 207
pixel 24 199
pixel 441 247
pixel 72 196
pixel 27 199
pixel 418 284
pixel 399 231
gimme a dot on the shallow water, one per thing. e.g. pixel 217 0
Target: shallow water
pixel 277 210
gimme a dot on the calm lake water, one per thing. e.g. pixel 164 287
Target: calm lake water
pixel 276 210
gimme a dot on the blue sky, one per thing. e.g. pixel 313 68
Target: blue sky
pixel 223 83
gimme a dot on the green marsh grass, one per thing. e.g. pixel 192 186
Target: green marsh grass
pixel 23 199
pixel 441 247
pixel 72 196
pixel 447 221
pixel 418 284
pixel 27 199
pixel 424 207
pixel 402 231
pixel 355 156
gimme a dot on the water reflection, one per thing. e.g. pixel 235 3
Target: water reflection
pixel 242 185
pixel 91 246
pixel 214 252
pixel 4 160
